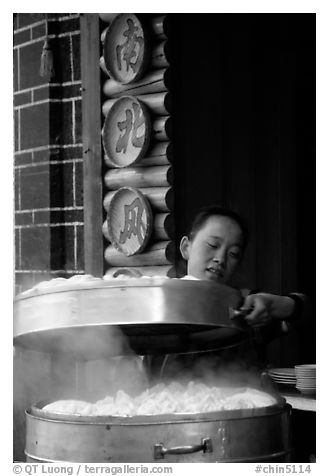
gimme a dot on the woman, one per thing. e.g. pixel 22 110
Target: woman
pixel 213 250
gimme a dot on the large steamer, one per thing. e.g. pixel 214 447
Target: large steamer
pixel 230 436
pixel 154 315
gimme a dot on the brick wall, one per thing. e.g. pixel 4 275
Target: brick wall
pixel 48 150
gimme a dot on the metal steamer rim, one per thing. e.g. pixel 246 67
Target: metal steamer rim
pixel 144 316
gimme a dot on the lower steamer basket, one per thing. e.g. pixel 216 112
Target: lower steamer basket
pixel 257 435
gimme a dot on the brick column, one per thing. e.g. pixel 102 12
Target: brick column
pixel 48 150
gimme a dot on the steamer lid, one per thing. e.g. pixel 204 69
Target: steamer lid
pixel 104 318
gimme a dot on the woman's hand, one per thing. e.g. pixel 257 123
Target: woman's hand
pixel 264 307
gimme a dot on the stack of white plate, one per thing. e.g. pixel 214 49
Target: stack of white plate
pixel 306 378
pixel 285 376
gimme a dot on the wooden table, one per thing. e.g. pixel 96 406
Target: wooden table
pixel 298 401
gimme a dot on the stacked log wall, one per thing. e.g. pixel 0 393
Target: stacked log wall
pixel 152 174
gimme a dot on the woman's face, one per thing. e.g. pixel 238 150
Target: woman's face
pixel 215 251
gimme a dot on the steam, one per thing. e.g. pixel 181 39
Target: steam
pixel 49 377
pixel 92 362
pixel 214 370
pixel 82 363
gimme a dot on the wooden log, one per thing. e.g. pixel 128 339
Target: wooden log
pixel 107 200
pixel 143 270
pixel 159 154
pixel 157 254
pixel 154 82
pixel 160 55
pixel 103 35
pixel 139 177
pixel 161 148
pixel 108 161
pixel 103 67
pixel 107 105
pixel 171 273
pixel 162 128
pixel 163 226
pixel 108 17
pixel 158 103
pixel 105 230
pixel 159 26
pixel 160 198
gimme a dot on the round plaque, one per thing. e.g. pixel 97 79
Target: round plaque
pixel 129 221
pixel 127 131
pixel 126 50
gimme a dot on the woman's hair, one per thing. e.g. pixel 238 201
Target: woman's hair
pixel 204 213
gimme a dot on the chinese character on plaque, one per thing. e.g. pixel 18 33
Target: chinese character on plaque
pixel 129 220
pixel 126 132
pixel 126 50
